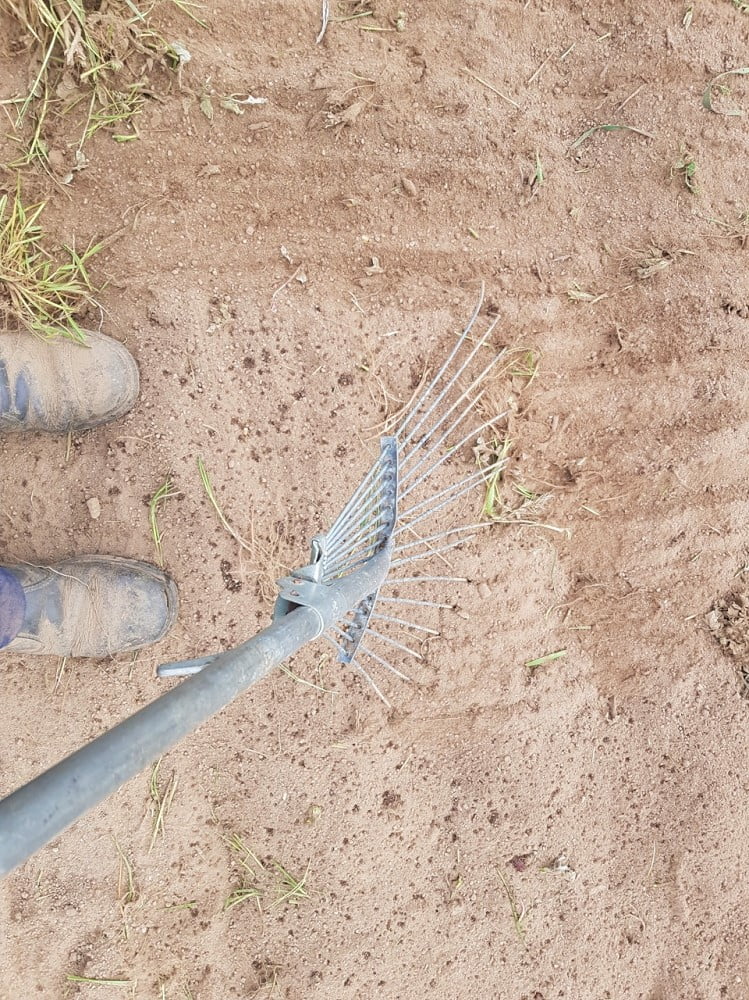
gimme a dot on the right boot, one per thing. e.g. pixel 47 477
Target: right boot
pixel 94 606
pixel 59 385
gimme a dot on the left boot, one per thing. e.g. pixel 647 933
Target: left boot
pixel 93 606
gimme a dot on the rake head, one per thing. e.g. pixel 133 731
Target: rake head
pixel 404 505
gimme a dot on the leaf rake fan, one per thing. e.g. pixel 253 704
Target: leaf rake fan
pixel 394 525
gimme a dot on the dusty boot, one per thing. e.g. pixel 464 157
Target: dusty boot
pixel 93 606
pixel 59 386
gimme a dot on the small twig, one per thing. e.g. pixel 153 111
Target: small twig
pixel 485 83
pixel 536 74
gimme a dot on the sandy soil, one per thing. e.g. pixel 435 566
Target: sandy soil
pixel 416 826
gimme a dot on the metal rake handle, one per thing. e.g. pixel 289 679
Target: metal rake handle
pixel 31 816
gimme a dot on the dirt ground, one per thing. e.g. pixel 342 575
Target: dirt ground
pixel 577 830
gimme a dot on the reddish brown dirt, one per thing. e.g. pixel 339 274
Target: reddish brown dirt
pixel 627 756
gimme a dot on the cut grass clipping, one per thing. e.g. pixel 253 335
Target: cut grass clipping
pixel 163 493
pixel 94 59
pixel 723 89
pixel 40 290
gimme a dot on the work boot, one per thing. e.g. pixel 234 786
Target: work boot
pixel 93 606
pixel 56 386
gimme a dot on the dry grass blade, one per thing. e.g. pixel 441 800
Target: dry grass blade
pixel 707 97
pixel 41 290
pixel 161 801
pixel 205 480
pixel 91 981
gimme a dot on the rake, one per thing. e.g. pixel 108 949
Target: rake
pixel 350 594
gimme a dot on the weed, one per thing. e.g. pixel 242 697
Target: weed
pixel 243 852
pixel 737 229
pixel 588 133
pixel 205 480
pixel 578 294
pixel 264 555
pixel 525 366
pixel 162 494
pixel 126 892
pixel 244 855
pixel 537 177
pixel 291 889
pixel 41 290
pixel 651 261
pixel 518 914
pixel 686 165
pixel 161 800
pixel 492 454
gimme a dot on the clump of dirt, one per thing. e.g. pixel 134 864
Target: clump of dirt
pixel 728 620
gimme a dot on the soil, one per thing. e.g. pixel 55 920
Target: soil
pixel 572 830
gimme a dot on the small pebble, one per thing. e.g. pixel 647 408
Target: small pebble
pixel 484 590
pixel 408 186
pixel 94 508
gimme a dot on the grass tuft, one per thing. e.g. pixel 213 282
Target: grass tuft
pixel 41 290
pixel 92 57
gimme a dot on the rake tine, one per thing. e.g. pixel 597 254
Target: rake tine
pixel 355 519
pixel 432 552
pixel 466 394
pixel 403 623
pixel 394 581
pixel 456 423
pixel 333 643
pixel 414 603
pixel 363 487
pixel 384 663
pixel 349 545
pixel 450 452
pixel 393 642
pixel 467 482
pixel 442 534
pixel 477 347
pixel 369 680
pixel 461 340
